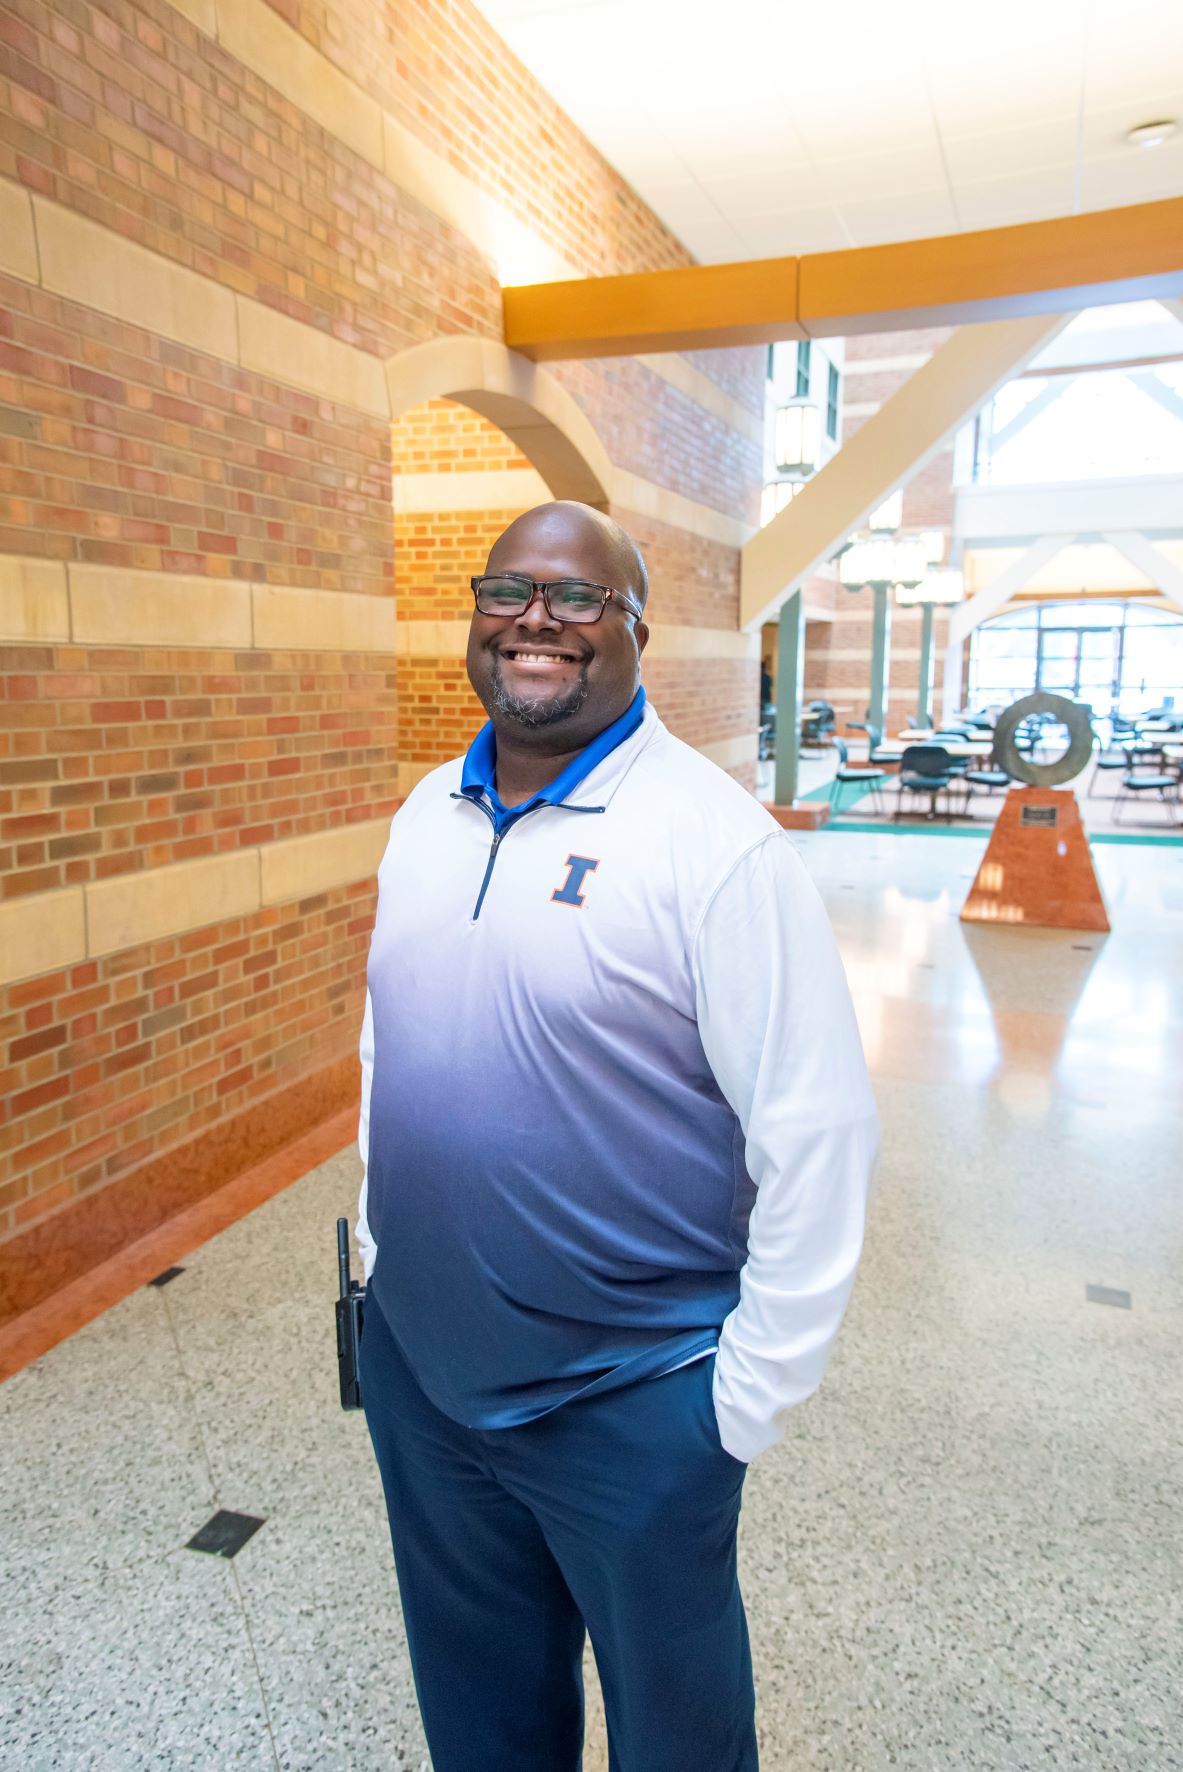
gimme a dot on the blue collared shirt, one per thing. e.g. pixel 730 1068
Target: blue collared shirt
pixel 478 780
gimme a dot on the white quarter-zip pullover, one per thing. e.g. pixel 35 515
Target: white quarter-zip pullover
pixel 614 1105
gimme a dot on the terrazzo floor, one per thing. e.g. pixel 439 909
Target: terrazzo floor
pixel 967 1554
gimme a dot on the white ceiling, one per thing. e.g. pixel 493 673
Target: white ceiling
pixel 761 127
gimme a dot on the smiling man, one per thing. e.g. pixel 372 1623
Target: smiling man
pixel 618 1139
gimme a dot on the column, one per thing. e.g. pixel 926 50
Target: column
pixel 880 657
pixel 790 684
pixel 924 694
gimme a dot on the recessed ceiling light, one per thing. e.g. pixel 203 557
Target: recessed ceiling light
pixel 1152 135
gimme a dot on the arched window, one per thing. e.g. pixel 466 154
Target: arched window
pixel 1119 657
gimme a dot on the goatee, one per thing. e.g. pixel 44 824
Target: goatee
pixel 540 711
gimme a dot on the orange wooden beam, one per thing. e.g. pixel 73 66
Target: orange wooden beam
pixel 740 304
pixel 999 273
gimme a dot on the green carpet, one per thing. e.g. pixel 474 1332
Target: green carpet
pixel 851 792
pixel 922 828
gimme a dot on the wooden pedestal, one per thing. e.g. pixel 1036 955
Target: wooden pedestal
pixel 1038 868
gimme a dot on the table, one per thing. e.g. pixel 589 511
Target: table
pixel 892 749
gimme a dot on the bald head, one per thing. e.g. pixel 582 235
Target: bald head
pixel 608 553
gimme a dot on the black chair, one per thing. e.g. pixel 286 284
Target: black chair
pixel 817 723
pixel 991 776
pixel 928 769
pixel 867 777
pixel 874 739
pixel 1151 773
pixel 1123 757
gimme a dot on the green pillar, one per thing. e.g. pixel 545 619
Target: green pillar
pixel 790 682
pixel 924 703
pixel 880 656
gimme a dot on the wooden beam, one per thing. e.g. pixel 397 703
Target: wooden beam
pixel 1045 267
pixel 1049 267
pixel 701 305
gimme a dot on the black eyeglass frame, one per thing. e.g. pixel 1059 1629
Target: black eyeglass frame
pixel 542 588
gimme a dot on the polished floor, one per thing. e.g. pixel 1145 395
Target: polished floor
pixel 967 1554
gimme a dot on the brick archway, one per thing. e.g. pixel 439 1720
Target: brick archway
pixel 519 397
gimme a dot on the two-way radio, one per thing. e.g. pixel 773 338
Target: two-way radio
pixel 351 1304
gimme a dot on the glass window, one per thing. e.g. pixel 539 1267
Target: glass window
pixel 804 352
pixel 832 387
pixel 1101 424
pixel 1080 615
pixel 1133 663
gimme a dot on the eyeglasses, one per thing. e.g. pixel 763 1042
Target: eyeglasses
pixel 565 599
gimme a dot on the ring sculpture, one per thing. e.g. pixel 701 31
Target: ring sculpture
pixel 1072 714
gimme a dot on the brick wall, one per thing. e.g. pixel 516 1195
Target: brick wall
pixel 114 759
pixel 110 1061
pixel 123 448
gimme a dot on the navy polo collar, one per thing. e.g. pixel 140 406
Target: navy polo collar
pixel 477 781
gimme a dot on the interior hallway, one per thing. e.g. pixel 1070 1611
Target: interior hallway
pixel 966 1554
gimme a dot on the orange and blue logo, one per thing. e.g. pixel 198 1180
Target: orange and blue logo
pixel 578 868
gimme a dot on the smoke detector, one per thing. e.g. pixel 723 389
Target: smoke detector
pixel 1152 135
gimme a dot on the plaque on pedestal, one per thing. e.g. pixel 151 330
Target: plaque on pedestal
pixel 1038 868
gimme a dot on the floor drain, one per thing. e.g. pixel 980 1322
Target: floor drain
pixel 225 1533
pixel 1109 1295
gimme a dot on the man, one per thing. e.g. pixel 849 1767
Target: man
pixel 618 1136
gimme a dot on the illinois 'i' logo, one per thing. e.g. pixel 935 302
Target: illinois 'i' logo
pixel 578 867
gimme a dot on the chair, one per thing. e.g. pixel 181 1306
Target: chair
pixel 1108 757
pixel 990 775
pixel 1123 756
pixel 874 738
pixel 816 723
pixel 871 778
pixel 1151 773
pixel 927 769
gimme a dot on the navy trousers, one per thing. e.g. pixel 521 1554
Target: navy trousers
pixel 617 1514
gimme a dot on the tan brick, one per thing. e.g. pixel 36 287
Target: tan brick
pixel 113 608
pixel 100 269
pixel 18 243
pixel 339 857
pixel 34 604
pixel 41 933
pixel 137 908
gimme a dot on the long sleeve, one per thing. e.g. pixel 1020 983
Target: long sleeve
pixel 365 1242
pixel 779 1032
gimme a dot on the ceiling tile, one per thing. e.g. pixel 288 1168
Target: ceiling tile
pixel 795 232
pixel 1004 64
pixel 1003 153
pixel 909 216
pixel 885 174
pixel 779 128
pixel 1000 202
pixel 1133 47
pixel 775 188
pixel 1133 175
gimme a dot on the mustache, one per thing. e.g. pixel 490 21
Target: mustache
pixel 535 712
